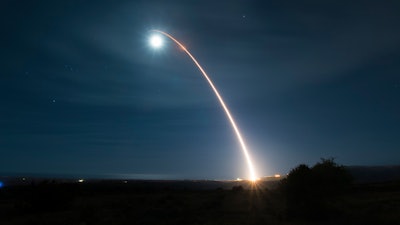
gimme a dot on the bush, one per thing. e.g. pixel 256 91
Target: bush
pixel 309 191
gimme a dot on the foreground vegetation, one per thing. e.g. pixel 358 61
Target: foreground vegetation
pixel 296 201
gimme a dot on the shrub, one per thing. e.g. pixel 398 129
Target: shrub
pixel 309 191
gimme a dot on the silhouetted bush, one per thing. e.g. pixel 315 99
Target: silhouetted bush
pixel 310 191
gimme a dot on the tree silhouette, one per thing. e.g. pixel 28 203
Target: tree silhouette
pixel 309 191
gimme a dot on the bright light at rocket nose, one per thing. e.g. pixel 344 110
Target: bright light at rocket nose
pixel 156 41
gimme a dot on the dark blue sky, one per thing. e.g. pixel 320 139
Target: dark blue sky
pixel 83 93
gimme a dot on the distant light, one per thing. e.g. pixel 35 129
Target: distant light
pixel 156 41
pixel 125 181
pixel 1 184
pixel 81 180
pixel 24 179
pixel 239 179
pixel 277 175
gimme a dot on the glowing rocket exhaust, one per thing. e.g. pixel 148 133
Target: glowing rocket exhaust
pixel 233 123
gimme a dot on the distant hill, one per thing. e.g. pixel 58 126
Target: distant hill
pixel 366 174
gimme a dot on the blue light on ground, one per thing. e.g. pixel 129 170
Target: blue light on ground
pixel 1 184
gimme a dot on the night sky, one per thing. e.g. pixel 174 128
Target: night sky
pixel 82 92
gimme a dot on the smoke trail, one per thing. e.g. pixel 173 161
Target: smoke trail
pixel 233 123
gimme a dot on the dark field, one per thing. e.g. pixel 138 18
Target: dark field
pixel 188 202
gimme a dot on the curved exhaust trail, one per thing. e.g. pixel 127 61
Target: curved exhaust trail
pixel 233 123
